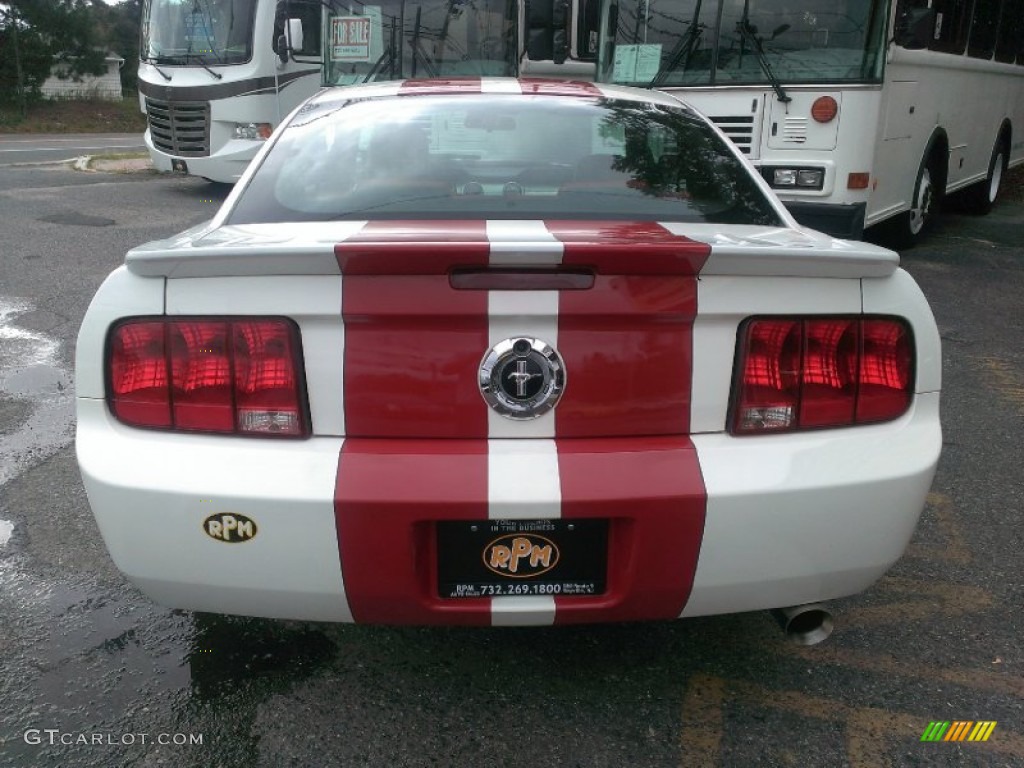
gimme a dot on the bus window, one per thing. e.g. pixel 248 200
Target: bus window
pixel 952 20
pixel 1011 31
pixel 984 28
pixel 430 38
pixel 665 43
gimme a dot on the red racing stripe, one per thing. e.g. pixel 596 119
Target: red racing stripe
pixel 412 348
pixel 413 247
pixel 652 492
pixel 387 496
pixel 628 350
pixel 627 343
pixel 543 87
pixel 413 344
pixel 450 85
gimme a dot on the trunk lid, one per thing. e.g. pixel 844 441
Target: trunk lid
pixel 418 306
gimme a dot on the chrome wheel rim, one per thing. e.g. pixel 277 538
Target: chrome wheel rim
pixel 922 204
pixel 997 178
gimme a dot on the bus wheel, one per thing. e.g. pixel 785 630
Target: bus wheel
pixel 908 229
pixel 979 198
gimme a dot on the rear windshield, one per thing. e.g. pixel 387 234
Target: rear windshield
pixel 500 157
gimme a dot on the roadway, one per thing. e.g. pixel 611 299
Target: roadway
pixel 16 149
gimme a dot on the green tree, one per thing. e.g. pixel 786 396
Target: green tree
pixel 36 34
pixel 118 28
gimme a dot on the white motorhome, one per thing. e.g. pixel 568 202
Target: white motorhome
pixel 213 85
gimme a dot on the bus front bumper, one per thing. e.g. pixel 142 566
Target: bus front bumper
pixel 226 165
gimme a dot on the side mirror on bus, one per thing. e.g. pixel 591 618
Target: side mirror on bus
pixel 547 30
pixel 915 28
pixel 290 40
pixel 294 32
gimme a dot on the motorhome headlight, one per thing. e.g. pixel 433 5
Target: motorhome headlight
pixel 782 177
pixel 253 131
pixel 813 177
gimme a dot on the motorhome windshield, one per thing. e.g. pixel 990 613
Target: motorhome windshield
pixel 751 42
pixel 197 32
pixel 434 38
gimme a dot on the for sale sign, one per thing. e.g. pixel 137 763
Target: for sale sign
pixel 350 38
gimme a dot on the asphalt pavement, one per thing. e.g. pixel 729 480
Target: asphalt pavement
pixel 93 674
pixel 16 149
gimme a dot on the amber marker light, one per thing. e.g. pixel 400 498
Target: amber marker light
pixel 824 109
pixel 858 180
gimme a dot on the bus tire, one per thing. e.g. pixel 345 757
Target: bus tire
pixel 910 227
pixel 979 198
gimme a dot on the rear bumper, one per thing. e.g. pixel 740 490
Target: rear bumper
pixel 777 521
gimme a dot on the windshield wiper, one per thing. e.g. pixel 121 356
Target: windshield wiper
pixel 153 61
pixel 749 33
pixel 683 49
pixel 165 58
pixel 199 60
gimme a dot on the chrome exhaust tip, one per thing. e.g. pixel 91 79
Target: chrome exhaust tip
pixel 805 624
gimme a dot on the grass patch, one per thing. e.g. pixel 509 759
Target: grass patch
pixel 74 116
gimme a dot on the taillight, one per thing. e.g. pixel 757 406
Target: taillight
pixel 227 375
pixel 814 372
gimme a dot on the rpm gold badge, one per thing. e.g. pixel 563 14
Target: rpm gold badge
pixel 521 555
pixel 230 527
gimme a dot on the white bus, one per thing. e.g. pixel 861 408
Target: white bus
pixel 217 76
pixel 856 112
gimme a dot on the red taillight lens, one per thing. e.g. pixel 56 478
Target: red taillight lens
pixel 137 366
pixel 885 371
pixel 266 387
pixel 227 375
pixel 805 373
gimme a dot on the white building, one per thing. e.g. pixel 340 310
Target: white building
pixel 106 86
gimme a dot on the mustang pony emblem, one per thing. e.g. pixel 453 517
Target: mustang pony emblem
pixel 522 378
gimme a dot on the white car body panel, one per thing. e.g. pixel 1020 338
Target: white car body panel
pixel 122 294
pixel 290 569
pixel 900 296
pixel 807 517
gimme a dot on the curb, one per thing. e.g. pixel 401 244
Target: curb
pixel 107 164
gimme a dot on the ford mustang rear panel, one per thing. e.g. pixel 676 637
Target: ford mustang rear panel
pixel 511 420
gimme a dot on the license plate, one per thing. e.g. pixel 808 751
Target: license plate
pixel 493 558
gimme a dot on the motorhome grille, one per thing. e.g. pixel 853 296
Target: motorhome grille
pixel 180 128
pixel 738 128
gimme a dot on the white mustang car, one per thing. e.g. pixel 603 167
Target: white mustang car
pixel 505 352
